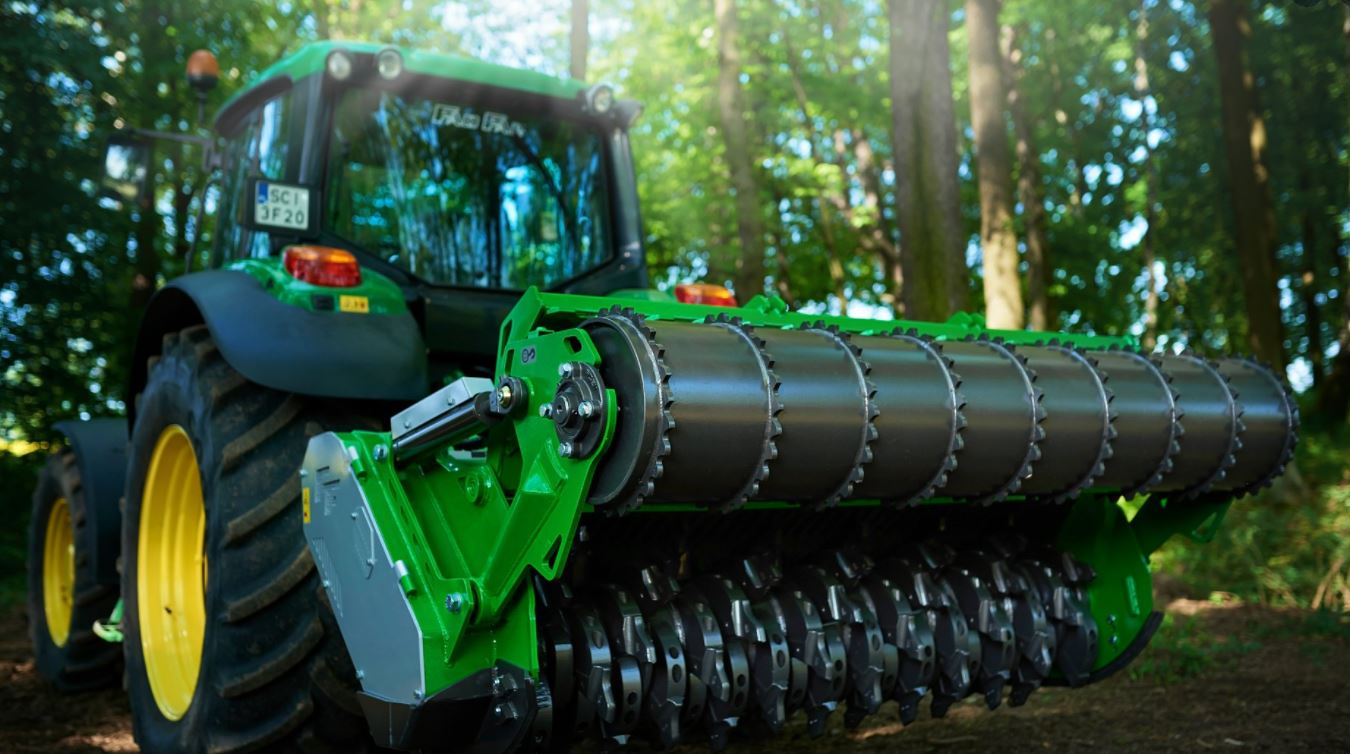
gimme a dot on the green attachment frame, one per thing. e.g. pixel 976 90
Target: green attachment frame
pixel 474 526
pixel 471 527
pixel 537 309
pixel 1098 532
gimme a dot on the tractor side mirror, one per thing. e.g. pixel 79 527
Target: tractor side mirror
pixel 126 168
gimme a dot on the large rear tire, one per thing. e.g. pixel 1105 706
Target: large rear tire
pixel 66 594
pixel 229 643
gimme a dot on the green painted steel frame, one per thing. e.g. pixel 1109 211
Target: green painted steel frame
pixel 1097 531
pixel 537 308
pixel 473 527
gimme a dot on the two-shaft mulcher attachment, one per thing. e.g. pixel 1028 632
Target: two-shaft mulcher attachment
pixel 689 524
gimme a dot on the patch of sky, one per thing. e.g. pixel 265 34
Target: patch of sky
pixel 1131 232
pixel 1299 373
pixel 974 256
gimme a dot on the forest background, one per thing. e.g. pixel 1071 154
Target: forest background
pixel 1173 170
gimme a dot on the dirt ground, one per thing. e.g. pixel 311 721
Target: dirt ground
pixel 1221 676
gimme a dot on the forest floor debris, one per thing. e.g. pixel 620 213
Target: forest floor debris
pixel 1220 675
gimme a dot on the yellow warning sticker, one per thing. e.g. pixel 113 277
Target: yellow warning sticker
pixel 354 304
pixel 304 503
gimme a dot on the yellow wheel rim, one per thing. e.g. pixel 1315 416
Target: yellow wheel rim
pixel 171 572
pixel 58 572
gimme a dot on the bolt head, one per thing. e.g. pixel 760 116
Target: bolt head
pixel 585 409
pixel 454 602
pixel 565 449
pixel 565 368
pixel 546 410
pixel 381 452
pixel 504 394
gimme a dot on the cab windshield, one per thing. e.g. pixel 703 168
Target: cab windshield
pixel 467 196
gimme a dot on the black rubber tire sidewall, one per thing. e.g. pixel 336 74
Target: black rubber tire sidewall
pixel 185 388
pixel 165 402
pixel 85 661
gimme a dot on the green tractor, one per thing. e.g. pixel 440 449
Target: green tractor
pixel 421 462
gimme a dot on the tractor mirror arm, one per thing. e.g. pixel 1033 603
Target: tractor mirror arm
pixel 213 177
pixel 197 141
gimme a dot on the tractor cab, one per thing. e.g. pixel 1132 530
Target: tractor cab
pixel 460 182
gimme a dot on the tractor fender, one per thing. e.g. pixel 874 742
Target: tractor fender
pixel 286 347
pixel 100 447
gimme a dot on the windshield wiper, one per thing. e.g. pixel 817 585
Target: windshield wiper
pixel 535 160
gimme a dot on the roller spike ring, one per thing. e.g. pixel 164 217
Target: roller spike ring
pixel 773 426
pixel 655 467
pixel 864 453
pixel 955 442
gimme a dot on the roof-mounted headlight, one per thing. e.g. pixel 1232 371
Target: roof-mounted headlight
pixel 389 63
pixel 600 99
pixel 339 65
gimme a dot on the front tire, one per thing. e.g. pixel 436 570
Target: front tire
pixel 229 644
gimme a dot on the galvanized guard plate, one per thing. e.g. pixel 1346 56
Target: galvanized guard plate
pixel 361 578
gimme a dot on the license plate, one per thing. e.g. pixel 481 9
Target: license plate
pixel 280 206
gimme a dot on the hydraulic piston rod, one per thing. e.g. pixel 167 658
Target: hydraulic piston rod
pixel 465 408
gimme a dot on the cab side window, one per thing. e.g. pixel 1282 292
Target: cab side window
pixel 258 147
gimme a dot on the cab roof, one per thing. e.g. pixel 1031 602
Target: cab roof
pixel 312 57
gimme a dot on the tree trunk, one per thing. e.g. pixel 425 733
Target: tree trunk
pixel 1076 162
pixel 877 234
pixel 749 277
pixel 783 280
pixel 1142 92
pixel 321 24
pixel 1308 290
pixel 923 134
pixel 1244 136
pixel 1039 271
pixel 824 223
pixel 998 238
pixel 1333 400
pixel 580 38
pixel 149 224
